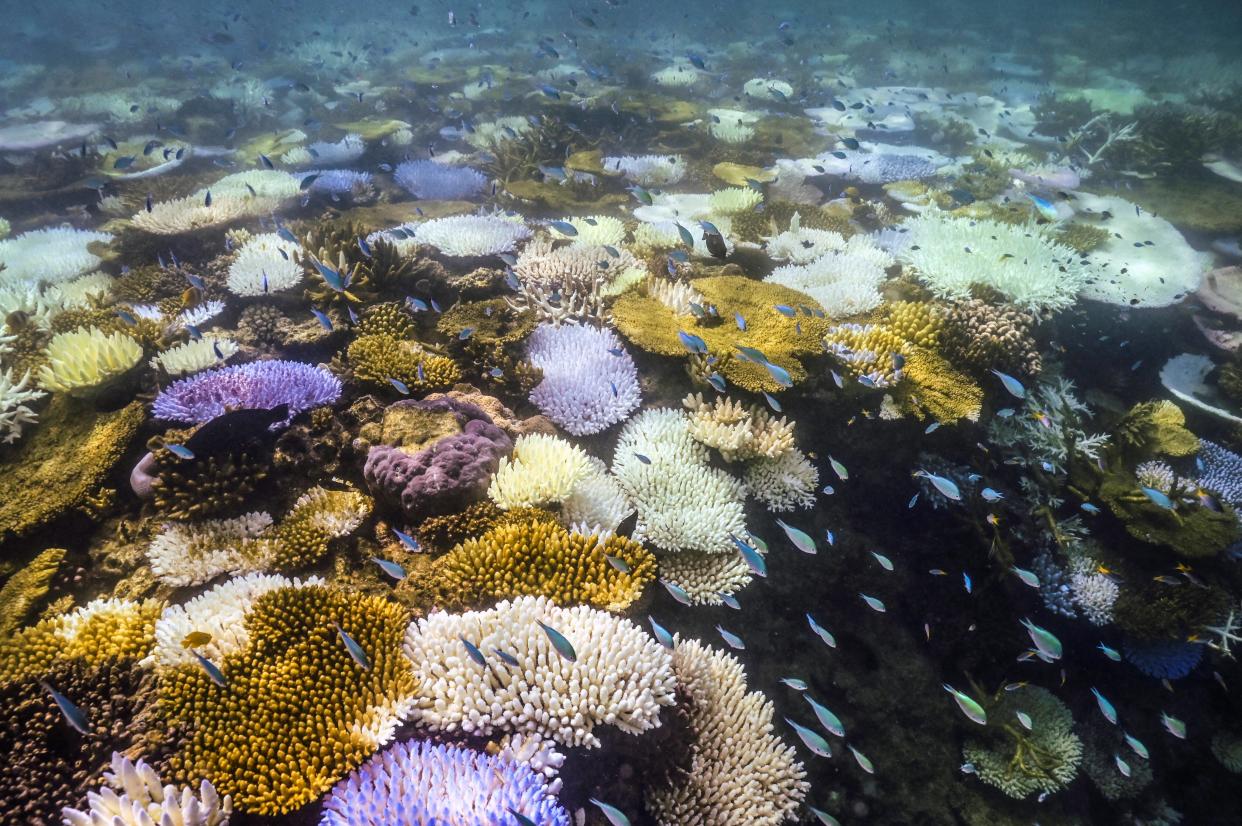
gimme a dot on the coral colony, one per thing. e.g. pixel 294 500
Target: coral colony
pixel 620 413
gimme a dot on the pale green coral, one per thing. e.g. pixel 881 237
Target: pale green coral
pixel 1022 762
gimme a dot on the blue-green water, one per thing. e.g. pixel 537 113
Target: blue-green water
pixel 888 350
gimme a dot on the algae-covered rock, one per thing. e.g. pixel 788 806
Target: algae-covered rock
pixel 1157 428
pixel 26 589
pixel 62 462
pixel 738 174
pixel 1188 530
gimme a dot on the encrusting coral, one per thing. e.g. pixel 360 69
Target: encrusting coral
pixel 297 710
pixel 538 558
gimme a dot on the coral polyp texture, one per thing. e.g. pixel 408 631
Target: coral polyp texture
pixel 1021 761
pixel 434 181
pixel 542 470
pixel 82 361
pixel 431 784
pixel 472 235
pixel 257 385
pixel 619 675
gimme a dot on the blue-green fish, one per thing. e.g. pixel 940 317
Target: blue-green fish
pixel 968 705
pixel 74 716
pixel 772 402
pixel 947 487
pixel 821 632
pixel 180 451
pixel 1045 641
pixel 831 723
pixel 1136 745
pixel 779 374
pixel 389 567
pixel 213 673
pixel 322 318
pixel 800 539
pixel 885 562
pixel 1028 577
pixel 401 386
pixel 1025 720
pixel 466 333
pixel 1044 207
pixel 676 591
pixel 731 639
pixel 794 683
pixel 758 566
pixel 823 817
pixel 1112 653
pixel 686 237
pixel 865 763
pixel 812 739
pixel 507 658
pixel 663 637
pixel 564 228
pixel 1122 766
pixel 1106 708
pixel 355 650
pixel 615 816
pixel 1173 725
pixel 1160 499
pixel 559 642
pixel 641 195
pixel 618 563
pixel 522 819
pixel 873 603
pixel 839 469
pixel 785 310
pixel 692 342
pixel 990 495
pixel 407 540
pixel 729 600
pixel 751 354
pixel 1014 386
pixel 717 381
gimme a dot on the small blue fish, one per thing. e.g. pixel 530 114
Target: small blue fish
pixel 779 374
pixel 355 650
pixel 717 381
pixel 286 235
pixel 800 539
pixel 785 310
pixel 1045 208
pixel 496 373
pixel 408 541
pixel 863 762
pixel 1014 386
pixel 821 632
pixel 794 683
pixel 751 354
pixel 772 402
pixel 676 592
pixel 416 304
pixel 465 334
pixel 213 673
pixel 564 228
pixel 990 495
pixel 73 715
pixel 823 817
pixel 812 739
pixel 873 603
pixel 330 276
pixel 692 342
pixel 830 537
pixel 1160 499
pixel 731 639
pixel 642 458
pixel 615 816
pixel 364 247
pixel 181 451
pixel 1106 708
pixel 389 567
pixel 618 563
pixel 401 386
pixel 562 645
pixel 740 321
pixel 1045 641
pixel 914 500
pixel 507 658
pixel 1028 577
pixel 947 487
pixel 550 91
pixel 709 227
pixel 611 250
pixel 686 237
pixel 473 651
pixel 966 582
pixel 885 562
pixel 751 556
pixel 663 637
pixel 831 722
pixel 729 600
pixel 322 319
pixel 126 317
pixel 194 332
pixel 1112 653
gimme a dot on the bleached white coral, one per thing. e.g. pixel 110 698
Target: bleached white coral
pixel 784 483
pixel 676 295
pixel 15 396
pixel 135 796
pixel 596 501
pixel 82 291
pixel 1092 592
pixel 572 282
pixel 802 245
pixel 845 282
pixel 182 215
pixel 49 255
pixel 738 770
pixel 81 360
pixel 951 255
pixel 705 576
pixel 200 314
pixel 260 184
pixel 732 125
pixel 648 170
pixel 1156 474
pixel 683 503
pixel 219 612
pixel 593 230
pixel 472 235
pixel 765 89
pixel 265 264
pixel 488 133
pixel 193 553
pixel 678 75
pixel 542 470
pixel 736 430
pixel 194 355
pixel 620 676
pixel 346 150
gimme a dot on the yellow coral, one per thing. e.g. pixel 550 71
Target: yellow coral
pixel 103 630
pixel 317 518
pixel 191 490
pixel 297 712
pixel 377 359
pixel 27 588
pixel 867 350
pixel 542 470
pixel 388 319
pixel 918 322
pixel 738 431
pixel 80 361
pixel 541 558
pixel 651 325
pixel 932 387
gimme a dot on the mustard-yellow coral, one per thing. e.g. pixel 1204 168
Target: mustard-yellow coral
pixel 869 350
pixel 540 558
pixel 103 630
pixel 918 322
pixel 933 388
pixel 27 588
pixel 377 359
pixel 297 712
pixel 317 518
pixel 651 325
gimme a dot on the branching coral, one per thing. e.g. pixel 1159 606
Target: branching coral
pixel 572 282
pixel 619 676
pixel 82 362
pixel 265 264
pixel 297 711
pixel 472 235
pixel 431 180
pixel 257 385
pixel 845 279
pixel 1050 427
pixel 144 800
pixel 101 631
pixel 538 558
pixel 782 484
pixel 589 381
pixel 15 397
pixel 195 355
pixel 51 255
pixel 736 430
pixel 379 359
pixel 736 770
pixel 1021 762
pixel 543 469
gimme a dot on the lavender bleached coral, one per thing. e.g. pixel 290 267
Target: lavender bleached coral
pixel 340 182
pixel 423 784
pixel 589 381
pixel 257 385
pixel 433 181
pixel 441 477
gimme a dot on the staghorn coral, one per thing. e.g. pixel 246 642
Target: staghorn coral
pixel 589 381
pixel 981 336
pixel 379 359
pixel 15 396
pixel 27 588
pixel 144 800
pixel 431 784
pixel 737 431
pixel 620 676
pixel 83 363
pixel 538 558
pixel 782 484
pixel 104 630
pixel 735 769
pixel 652 326
pixel 542 470
pixel 305 711
pixel 1020 762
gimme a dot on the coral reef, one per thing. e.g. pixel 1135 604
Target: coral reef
pixel 980 336
pixel 542 470
pixel 26 588
pixel 381 359
pixel 81 363
pixel 1021 762
pixel 144 799
pixel 260 385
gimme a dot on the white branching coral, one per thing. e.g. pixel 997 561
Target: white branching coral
pixel 589 381
pixel 81 360
pixel 542 470
pixel 845 281
pixel 705 577
pixel 648 170
pixel 135 796
pixel 15 398
pixel 265 264
pixel 676 295
pixel 951 255
pixel 182 215
pixel 732 125
pixel 593 230
pixel 683 503
pixel 195 355
pixel 49 255
pixel 597 502
pixel 736 430
pixel 1093 593
pixel 572 282
pixel 802 245
pixel 738 770
pixel 784 483
pixel 619 675
pixel 472 235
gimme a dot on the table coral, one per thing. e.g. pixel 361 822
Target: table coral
pixel 543 559
pixel 297 712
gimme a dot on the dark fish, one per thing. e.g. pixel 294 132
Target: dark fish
pixel 235 430
pixel 124 162
pixel 266 161
pixel 207 199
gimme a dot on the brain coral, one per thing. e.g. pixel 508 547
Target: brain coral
pixel 443 475
pixel 431 784
pixel 540 558
pixel 620 676
pixel 589 381
pixel 297 711
pixel 651 325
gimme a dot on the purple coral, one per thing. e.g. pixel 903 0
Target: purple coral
pixel 258 385
pixel 589 381
pixel 451 472
pixel 422 784
pixel 340 182
pixel 432 181
pixel 886 168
